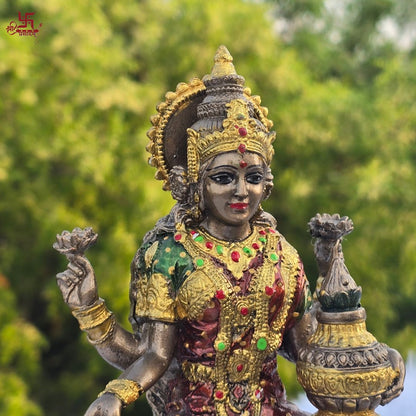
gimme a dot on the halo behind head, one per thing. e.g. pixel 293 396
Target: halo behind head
pixel 199 109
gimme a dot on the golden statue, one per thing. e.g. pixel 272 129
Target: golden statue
pixel 216 291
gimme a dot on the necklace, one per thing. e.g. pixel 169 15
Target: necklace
pixel 239 365
pixel 236 255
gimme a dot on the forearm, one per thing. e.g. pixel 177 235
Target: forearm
pixel 117 346
pixel 121 349
pixel 144 372
pixel 157 357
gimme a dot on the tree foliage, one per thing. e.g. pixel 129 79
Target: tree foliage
pixel 75 104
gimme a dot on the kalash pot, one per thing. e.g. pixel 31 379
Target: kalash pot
pixel 343 369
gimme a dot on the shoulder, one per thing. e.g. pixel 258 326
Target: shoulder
pixel 163 255
pixel 287 249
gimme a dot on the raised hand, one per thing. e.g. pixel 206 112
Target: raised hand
pixel 77 283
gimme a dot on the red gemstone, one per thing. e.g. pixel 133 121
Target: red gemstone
pixel 255 246
pixel 220 294
pixel 219 394
pixel 272 231
pixel 244 311
pixel 259 394
pixel 242 131
pixel 192 232
pixel 243 164
pixel 235 256
pixel 209 245
pixel 240 368
pixel 178 237
pixel 262 232
pixel 242 148
pixel 269 290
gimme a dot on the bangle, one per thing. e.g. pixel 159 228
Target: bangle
pixel 127 391
pixel 92 316
pixel 107 331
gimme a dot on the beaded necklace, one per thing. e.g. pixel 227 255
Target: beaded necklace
pixel 239 313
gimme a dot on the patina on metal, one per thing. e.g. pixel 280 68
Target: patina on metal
pixel 216 291
pixel 343 369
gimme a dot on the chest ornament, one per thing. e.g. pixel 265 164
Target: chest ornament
pixel 238 358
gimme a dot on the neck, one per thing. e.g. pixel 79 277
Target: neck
pixel 226 232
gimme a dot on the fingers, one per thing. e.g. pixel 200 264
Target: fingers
pixel 82 263
pixel 68 277
pixel 76 269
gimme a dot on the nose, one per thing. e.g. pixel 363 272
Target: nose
pixel 241 188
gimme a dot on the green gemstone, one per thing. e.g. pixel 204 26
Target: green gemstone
pixel 220 249
pixel 274 257
pixel 199 262
pixel 221 346
pixel 263 240
pixel 247 251
pixel 200 239
pixel 262 344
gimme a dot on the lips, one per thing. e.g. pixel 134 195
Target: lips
pixel 239 205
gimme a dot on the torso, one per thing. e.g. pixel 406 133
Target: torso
pixel 233 306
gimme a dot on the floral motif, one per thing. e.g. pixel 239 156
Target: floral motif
pixel 75 242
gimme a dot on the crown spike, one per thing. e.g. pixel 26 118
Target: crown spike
pixel 223 64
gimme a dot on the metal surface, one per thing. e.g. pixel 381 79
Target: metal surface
pixel 216 292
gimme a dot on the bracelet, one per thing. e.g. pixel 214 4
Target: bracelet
pixel 127 391
pixel 107 329
pixel 92 316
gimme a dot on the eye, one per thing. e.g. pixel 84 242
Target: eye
pixel 222 178
pixel 254 178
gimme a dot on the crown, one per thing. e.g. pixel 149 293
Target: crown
pixel 240 133
pixel 207 117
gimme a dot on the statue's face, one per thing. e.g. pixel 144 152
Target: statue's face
pixel 233 188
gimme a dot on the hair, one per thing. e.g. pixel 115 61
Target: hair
pixel 190 206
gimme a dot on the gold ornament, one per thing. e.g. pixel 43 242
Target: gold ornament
pixel 238 313
pixel 169 138
pixel 154 299
pixel 329 382
pixel 93 316
pixel 127 391
pixel 240 133
pixel 344 335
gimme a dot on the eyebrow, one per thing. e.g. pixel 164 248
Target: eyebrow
pixel 232 167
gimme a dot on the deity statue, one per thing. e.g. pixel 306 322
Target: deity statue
pixel 216 291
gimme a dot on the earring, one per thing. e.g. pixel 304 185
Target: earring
pixel 195 211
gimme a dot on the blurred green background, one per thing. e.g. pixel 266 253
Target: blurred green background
pixel 339 79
